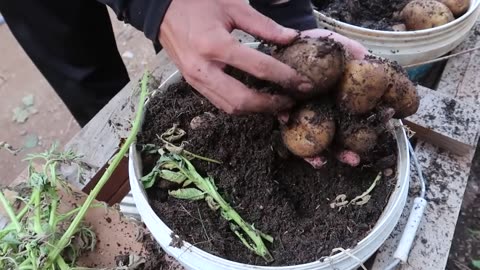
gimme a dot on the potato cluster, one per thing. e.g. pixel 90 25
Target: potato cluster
pixel 352 102
pixel 424 14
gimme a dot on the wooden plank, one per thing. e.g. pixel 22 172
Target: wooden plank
pixel 446 173
pixel 455 70
pixel 447 176
pixel 445 122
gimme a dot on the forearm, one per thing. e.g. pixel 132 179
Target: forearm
pixel 144 15
pixel 296 14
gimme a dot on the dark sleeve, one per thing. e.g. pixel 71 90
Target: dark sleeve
pixel 144 15
pixel 296 14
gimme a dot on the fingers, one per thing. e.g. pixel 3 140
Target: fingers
pixel 233 97
pixel 263 67
pixel 354 48
pixel 253 22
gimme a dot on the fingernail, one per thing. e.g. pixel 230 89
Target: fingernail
pixel 305 87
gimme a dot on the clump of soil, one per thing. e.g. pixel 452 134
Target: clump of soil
pixel 372 14
pixel 282 196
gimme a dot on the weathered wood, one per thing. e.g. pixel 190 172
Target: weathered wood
pixel 455 72
pixel 445 122
pixel 447 175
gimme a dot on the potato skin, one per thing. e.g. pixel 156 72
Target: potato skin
pixel 321 60
pixel 363 84
pixel 359 138
pixel 402 96
pixel 424 14
pixel 457 7
pixel 311 130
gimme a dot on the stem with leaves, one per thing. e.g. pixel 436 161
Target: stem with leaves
pixel 178 169
pixel 63 242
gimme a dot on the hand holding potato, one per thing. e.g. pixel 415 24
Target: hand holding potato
pixel 367 93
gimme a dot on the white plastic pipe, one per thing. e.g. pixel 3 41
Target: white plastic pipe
pixel 410 231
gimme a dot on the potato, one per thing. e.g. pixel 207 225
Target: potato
pixel 310 130
pixel 457 7
pixel 424 14
pixel 357 136
pixel 402 96
pixel 363 84
pixel 319 59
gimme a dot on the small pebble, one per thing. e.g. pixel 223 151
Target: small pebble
pixel 388 172
pixel 399 27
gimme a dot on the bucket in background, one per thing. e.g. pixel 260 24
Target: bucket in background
pixel 408 47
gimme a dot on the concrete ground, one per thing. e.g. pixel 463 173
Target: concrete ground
pixel 48 118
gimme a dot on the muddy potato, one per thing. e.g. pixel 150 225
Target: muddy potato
pixel 319 59
pixel 363 84
pixel 402 96
pixel 457 7
pixel 357 136
pixel 424 14
pixel 310 130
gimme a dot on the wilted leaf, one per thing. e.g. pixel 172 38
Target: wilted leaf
pixel 31 141
pixel 149 179
pixel 476 263
pixel 187 194
pixel 175 177
pixel 28 100
pixel 212 203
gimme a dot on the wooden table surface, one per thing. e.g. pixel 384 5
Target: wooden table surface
pixel 447 172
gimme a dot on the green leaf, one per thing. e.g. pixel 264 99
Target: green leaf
pixel 149 179
pixel 171 176
pixel 186 183
pixel 28 100
pixel 192 194
pixel 476 263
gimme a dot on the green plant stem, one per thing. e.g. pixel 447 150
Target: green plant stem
pixel 37 225
pixel 10 212
pixel 62 264
pixel 53 213
pixel 65 239
pixel 208 187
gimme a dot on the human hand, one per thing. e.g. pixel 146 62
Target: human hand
pixel 196 35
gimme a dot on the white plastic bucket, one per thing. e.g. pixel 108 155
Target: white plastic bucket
pixel 193 258
pixel 408 47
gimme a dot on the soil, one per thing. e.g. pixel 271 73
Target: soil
pixel 372 14
pixel 281 195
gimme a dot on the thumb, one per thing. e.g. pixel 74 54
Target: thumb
pixel 253 22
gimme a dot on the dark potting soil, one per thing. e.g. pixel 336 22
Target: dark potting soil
pixel 372 14
pixel 281 195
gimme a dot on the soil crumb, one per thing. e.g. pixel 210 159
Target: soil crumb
pixel 281 195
